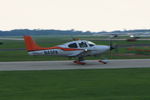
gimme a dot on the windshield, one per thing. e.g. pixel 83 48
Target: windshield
pixel 91 43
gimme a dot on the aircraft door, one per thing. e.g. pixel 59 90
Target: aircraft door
pixel 83 45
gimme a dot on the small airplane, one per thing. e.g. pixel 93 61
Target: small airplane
pixel 77 48
pixel 133 38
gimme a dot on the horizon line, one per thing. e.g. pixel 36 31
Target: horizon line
pixel 76 29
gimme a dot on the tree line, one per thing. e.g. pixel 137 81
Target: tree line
pixel 22 32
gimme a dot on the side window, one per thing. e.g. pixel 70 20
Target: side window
pixel 83 44
pixel 73 45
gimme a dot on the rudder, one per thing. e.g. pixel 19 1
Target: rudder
pixel 30 44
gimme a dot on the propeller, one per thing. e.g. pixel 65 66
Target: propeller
pixel 112 46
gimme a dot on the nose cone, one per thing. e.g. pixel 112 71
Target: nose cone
pixel 103 48
pixel 106 48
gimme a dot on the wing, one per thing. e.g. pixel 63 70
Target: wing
pixel 84 53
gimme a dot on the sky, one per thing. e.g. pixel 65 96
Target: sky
pixel 84 15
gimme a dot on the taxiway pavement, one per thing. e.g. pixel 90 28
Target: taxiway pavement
pixel 67 65
pixel 11 38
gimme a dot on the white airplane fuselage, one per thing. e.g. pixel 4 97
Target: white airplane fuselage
pixel 65 50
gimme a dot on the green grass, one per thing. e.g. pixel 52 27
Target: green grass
pixel 110 84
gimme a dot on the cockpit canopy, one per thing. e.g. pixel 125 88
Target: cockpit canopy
pixel 80 44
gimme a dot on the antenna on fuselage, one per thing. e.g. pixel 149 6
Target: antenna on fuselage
pixel 75 39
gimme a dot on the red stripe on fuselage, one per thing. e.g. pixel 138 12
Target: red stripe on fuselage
pixel 65 49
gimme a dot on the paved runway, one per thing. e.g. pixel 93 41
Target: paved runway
pixel 65 65
pixel 5 38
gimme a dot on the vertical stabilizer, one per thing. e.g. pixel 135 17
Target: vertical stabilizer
pixel 30 44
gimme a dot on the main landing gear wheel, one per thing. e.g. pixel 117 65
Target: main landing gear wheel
pixel 103 62
pixel 79 62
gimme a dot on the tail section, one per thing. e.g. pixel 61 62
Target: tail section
pixel 30 44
